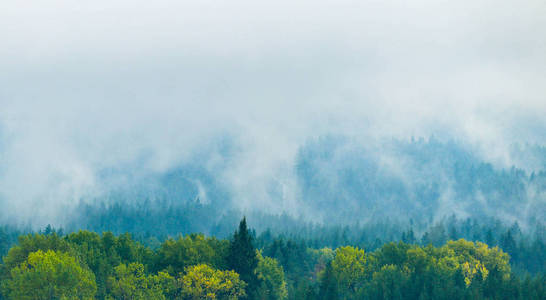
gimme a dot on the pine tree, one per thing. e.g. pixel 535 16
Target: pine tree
pixel 508 244
pixel 242 257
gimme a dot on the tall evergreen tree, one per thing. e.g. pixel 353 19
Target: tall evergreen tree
pixel 242 257
pixel 508 244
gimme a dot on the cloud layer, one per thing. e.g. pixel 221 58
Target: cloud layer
pixel 90 86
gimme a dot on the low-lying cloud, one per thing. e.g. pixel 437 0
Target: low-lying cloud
pixel 87 87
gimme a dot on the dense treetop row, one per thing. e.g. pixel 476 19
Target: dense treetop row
pixel 87 265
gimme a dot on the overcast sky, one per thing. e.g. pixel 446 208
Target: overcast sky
pixel 86 85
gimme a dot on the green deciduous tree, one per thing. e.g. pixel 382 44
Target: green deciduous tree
pixel 32 243
pixel 272 285
pixel 349 269
pixel 175 255
pixel 130 282
pixel 50 275
pixel 103 254
pixel 203 282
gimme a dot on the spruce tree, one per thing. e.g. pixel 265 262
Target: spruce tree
pixel 242 257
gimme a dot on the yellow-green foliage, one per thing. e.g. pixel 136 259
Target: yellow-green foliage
pixel 175 255
pixel 130 282
pixel 271 277
pixel 400 270
pixel 32 243
pixel 50 275
pixel 480 256
pixel 204 282
pixel 349 268
pixel 84 265
pixel 471 259
pixel 103 253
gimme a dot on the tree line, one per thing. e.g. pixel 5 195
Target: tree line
pixel 88 265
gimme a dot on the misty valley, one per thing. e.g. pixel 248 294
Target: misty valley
pixel 273 150
pixel 415 219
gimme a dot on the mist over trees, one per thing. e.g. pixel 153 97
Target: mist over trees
pixel 334 180
pixel 396 219
pixel 273 150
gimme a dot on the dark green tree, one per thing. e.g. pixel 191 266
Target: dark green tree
pixel 508 244
pixel 328 289
pixel 242 257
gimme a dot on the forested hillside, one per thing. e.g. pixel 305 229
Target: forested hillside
pixel 260 150
pixel 418 219
pixel 87 265
pixel 332 180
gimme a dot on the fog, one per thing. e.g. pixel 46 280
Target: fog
pixel 145 86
